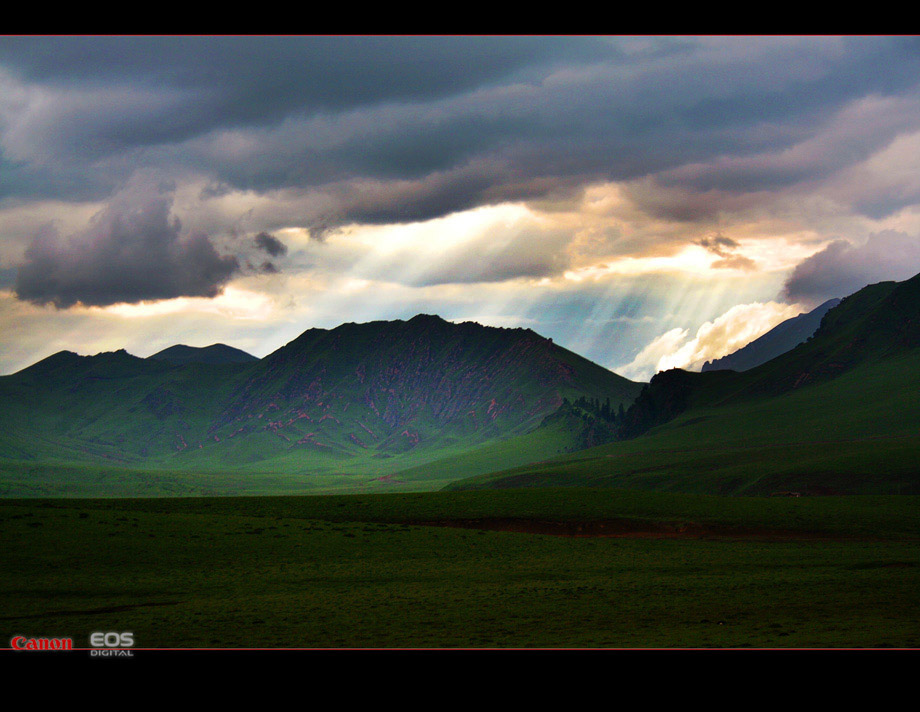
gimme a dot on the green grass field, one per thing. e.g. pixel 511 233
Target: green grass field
pixel 421 471
pixel 372 570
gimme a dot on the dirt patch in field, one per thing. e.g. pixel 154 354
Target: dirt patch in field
pixel 88 611
pixel 624 528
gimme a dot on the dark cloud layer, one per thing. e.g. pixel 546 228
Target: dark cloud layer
pixel 270 244
pixel 842 268
pixel 467 121
pixel 724 247
pixel 718 244
pixel 249 80
pixel 234 82
pixel 129 253
pixel 394 130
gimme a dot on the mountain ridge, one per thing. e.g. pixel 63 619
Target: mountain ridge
pixel 359 399
pixel 213 354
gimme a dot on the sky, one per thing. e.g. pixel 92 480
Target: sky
pixel 648 202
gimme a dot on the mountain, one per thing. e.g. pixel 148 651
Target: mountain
pixel 836 414
pixel 214 354
pixel 777 341
pixel 332 408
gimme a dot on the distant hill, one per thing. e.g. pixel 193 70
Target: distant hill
pixel 333 408
pixel 213 354
pixel 777 341
pixel 836 414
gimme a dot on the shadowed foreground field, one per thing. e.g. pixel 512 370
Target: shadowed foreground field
pixel 416 570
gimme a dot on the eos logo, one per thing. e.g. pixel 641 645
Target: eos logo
pixel 111 644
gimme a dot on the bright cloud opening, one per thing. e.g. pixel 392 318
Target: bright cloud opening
pixel 734 329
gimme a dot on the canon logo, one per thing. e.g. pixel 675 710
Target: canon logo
pixel 21 642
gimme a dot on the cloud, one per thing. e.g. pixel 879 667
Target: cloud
pixel 606 319
pixel 725 247
pixel 530 115
pixel 132 251
pixel 270 244
pixel 731 331
pixel 850 135
pixel 885 183
pixel 248 81
pixel 493 244
pixel 735 262
pixel 718 244
pixel 646 363
pixel 623 151
pixel 842 268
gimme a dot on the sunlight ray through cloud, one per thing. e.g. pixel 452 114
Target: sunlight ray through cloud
pixel 531 180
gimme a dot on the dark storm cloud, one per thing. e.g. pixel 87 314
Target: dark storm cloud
pixel 429 197
pixel 842 268
pixel 612 121
pixel 717 244
pixel 131 252
pixel 270 244
pixel 724 247
pixel 332 114
pixel 250 81
pixel 262 76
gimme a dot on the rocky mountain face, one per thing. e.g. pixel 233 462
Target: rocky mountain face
pixel 395 385
pixel 377 389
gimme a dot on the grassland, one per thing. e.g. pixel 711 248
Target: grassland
pixel 387 570
pixel 417 471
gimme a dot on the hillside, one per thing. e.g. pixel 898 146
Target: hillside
pixel 835 414
pixel 780 339
pixel 334 408
pixel 878 322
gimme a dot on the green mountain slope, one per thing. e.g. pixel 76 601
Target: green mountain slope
pixel 836 414
pixel 334 408
pixel 878 322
